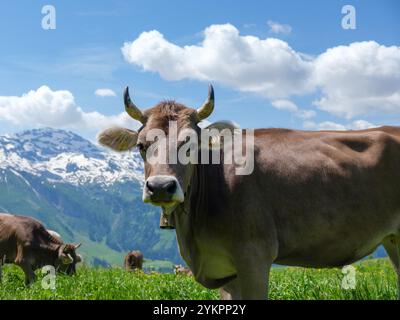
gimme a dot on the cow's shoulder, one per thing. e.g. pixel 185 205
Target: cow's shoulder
pixel 304 153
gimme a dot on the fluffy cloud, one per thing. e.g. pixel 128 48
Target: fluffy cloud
pixel 276 27
pixel 288 105
pixel 105 93
pixel 267 66
pixel 354 80
pixel 285 105
pixel 45 107
pixel 329 125
pixel 360 78
pixel 306 114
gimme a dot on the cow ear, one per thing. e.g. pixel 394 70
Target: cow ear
pixel 118 139
pixel 221 126
pixel 79 258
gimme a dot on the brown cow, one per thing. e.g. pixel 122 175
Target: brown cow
pixel 133 261
pixel 24 241
pixel 314 199
pixel 181 270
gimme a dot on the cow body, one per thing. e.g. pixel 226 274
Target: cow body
pixel 133 261
pixel 25 242
pixel 314 199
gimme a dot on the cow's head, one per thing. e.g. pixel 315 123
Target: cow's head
pixel 165 183
pixel 68 258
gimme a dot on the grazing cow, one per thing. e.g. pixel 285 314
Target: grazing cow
pixel 181 270
pixel 133 261
pixel 25 242
pixel 314 199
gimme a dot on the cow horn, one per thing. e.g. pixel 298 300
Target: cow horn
pixel 131 108
pixel 69 259
pixel 208 106
pixel 78 245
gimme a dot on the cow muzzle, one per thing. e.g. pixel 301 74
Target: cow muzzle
pixel 162 191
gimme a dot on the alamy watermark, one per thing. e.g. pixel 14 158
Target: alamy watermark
pixel 349 18
pixel 49 279
pixel 228 146
pixel 49 20
pixel 349 281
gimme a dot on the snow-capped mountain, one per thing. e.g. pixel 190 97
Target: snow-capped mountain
pixel 62 156
pixel 84 192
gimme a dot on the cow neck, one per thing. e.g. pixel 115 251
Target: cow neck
pixel 197 202
pixel 192 217
pixel 198 193
pixel 194 195
pixel 50 246
pixel 187 213
pixel 53 243
pixel 205 181
pixel 47 254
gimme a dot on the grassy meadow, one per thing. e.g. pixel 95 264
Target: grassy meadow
pixel 375 280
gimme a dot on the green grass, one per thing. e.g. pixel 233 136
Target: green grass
pixel 375 280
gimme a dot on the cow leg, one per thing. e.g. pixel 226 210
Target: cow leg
pixel 2 261
pixel 254 286
pixel 23 262
pixel 230 291
pixel 253 281
pixel 392 247
pixel 30 276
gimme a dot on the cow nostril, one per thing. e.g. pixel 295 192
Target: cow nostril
pixel 161 188
pixel 149 186
pixel 171 187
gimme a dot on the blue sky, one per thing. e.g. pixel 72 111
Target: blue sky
pixel 84 54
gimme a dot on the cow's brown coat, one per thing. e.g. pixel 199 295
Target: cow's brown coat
pixel 315 199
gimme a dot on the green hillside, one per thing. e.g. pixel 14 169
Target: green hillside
pixel 109 221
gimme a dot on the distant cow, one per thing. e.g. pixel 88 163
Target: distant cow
pixel 133 260
pixel 179 269
pixel 24 241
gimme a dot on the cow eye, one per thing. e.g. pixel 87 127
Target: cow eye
pixel 141 149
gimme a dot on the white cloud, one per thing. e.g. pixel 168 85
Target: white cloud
pixel 358 79
pixel 287 105
pixel 306 114
pixel 105 92
pixel 266 66
pixel 276 27
pixel 329 125
pixel 354 80
pixel 45 107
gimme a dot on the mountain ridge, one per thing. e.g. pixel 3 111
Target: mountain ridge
pixel 67 157
pixel 83 191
